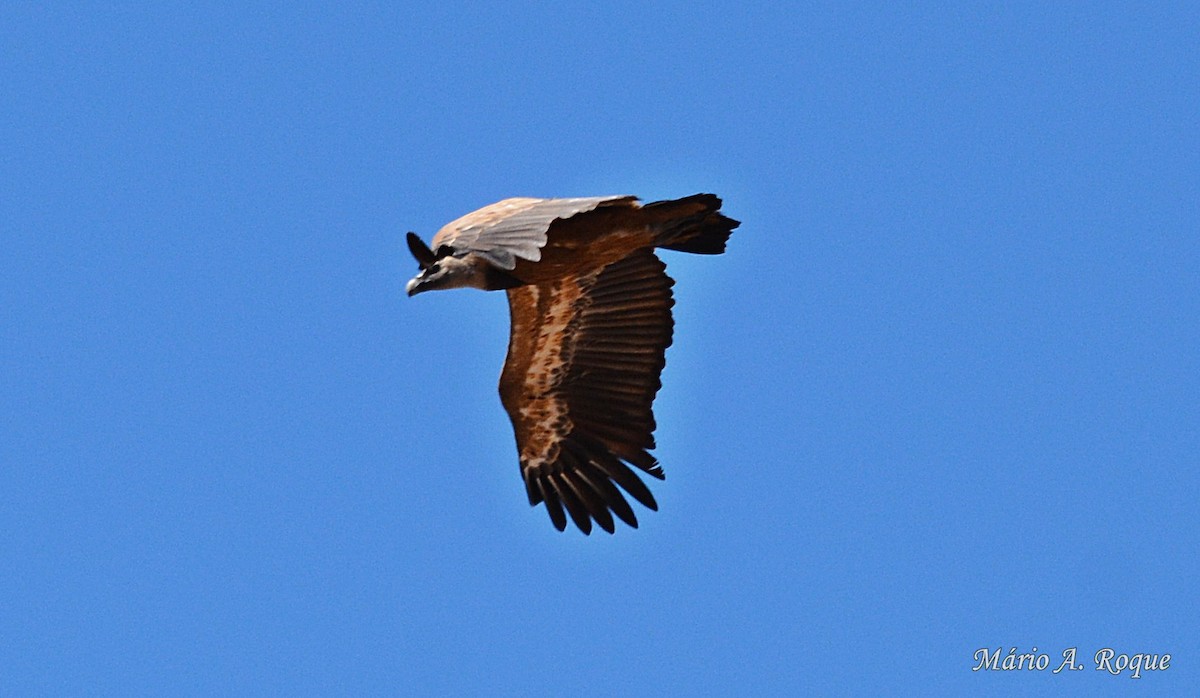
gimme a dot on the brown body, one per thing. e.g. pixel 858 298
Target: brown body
pixel 590 305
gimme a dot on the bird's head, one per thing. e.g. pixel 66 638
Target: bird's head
pixel 440 272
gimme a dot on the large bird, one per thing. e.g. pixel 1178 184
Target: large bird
pixel 590 305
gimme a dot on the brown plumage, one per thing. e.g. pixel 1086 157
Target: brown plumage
pixel 590 305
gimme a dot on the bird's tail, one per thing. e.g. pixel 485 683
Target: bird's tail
pixel 691 224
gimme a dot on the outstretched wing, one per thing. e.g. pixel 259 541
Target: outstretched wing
pixel 583 367
pixel 514 228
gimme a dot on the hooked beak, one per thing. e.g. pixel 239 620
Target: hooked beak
pixel 413 287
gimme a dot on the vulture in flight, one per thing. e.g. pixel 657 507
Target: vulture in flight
pixel 590 305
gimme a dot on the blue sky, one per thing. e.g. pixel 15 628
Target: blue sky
pixel 939 395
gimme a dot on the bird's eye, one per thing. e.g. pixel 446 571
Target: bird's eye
pixel 433 268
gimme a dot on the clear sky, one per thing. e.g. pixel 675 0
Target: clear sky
pixel 942 393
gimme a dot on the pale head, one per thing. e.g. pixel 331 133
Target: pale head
pixel 449 272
